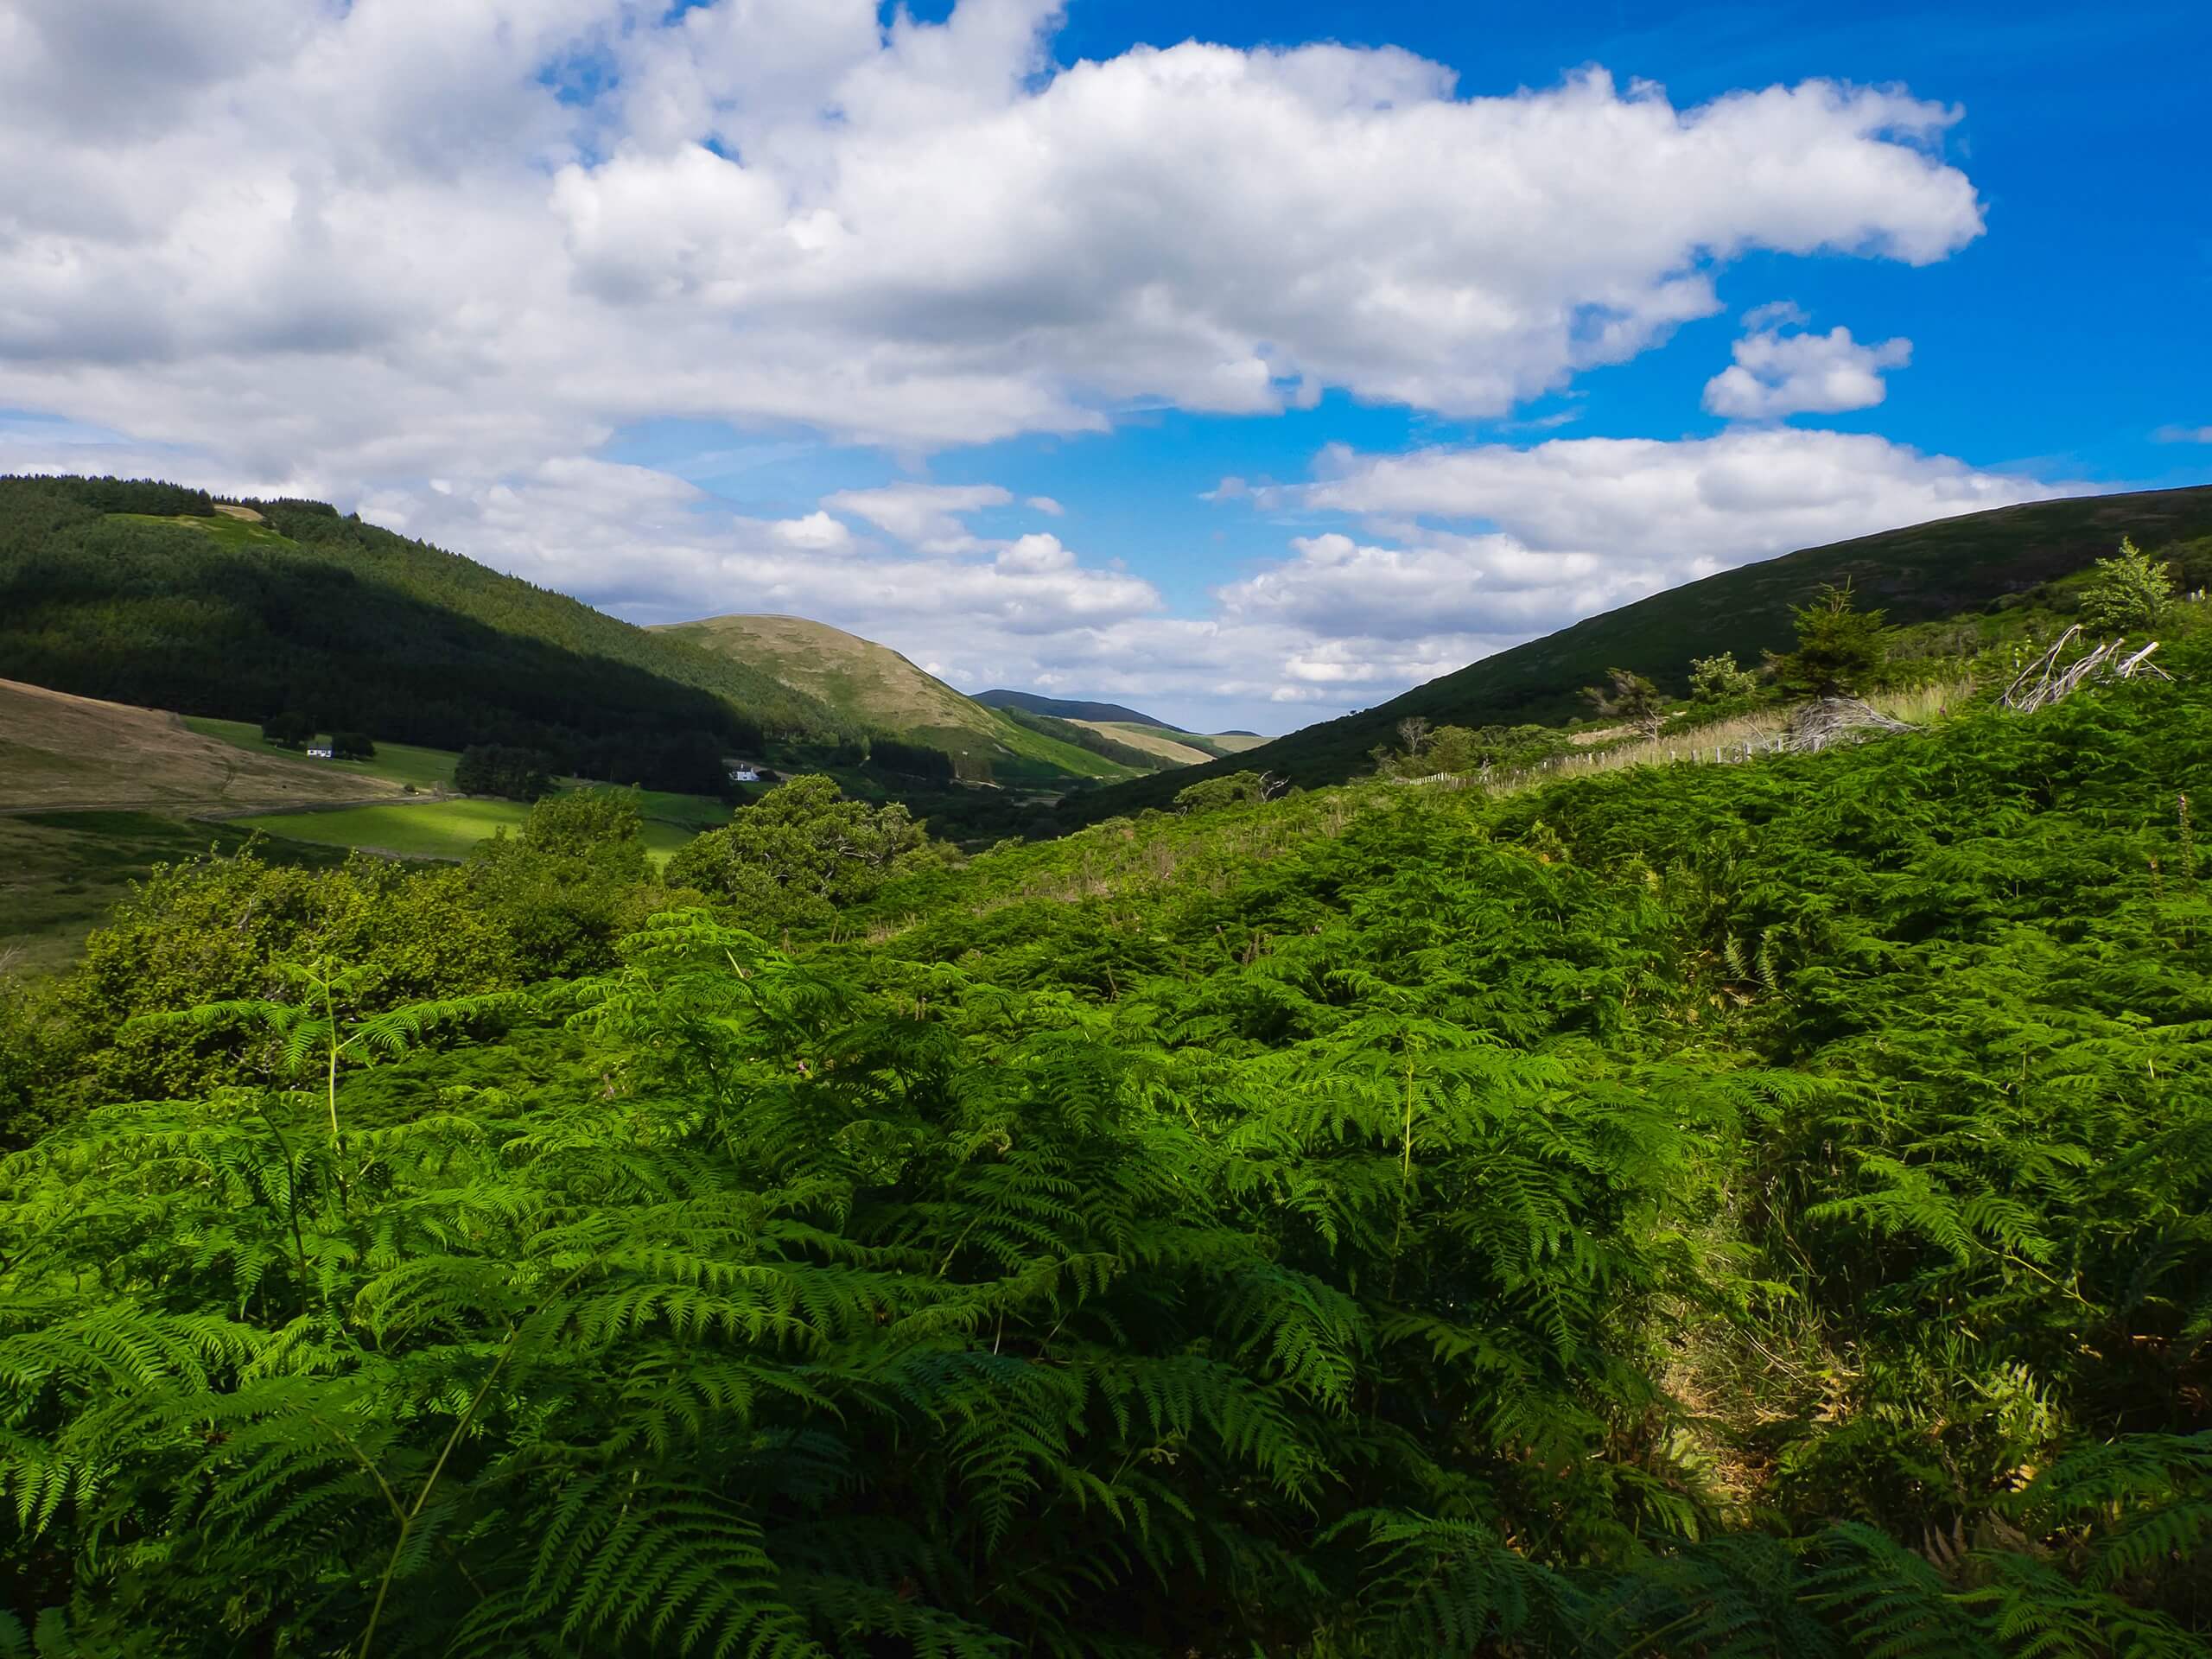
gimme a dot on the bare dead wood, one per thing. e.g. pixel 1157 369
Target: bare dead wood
pixel 1824 724
pixel 2048 680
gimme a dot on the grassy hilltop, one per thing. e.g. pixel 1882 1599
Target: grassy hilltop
pixel 873 688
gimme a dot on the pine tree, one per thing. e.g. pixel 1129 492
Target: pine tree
pixel 1841 650
pixel 2129 593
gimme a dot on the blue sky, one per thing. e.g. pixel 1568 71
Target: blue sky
pixel 908 323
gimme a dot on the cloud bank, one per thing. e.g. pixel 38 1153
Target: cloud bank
pixel 430 257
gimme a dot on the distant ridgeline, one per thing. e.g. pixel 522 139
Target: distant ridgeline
pixel 1071 708
pixel 1919 573
pixel 150 593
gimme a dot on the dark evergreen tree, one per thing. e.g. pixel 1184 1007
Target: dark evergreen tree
pixel 1840 649
pixel 288 731
pixel 495 769
pixel 916 760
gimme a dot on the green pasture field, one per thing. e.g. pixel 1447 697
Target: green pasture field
pixel 444 829
pixel 62 871
pixel 399 763
pixel 411 829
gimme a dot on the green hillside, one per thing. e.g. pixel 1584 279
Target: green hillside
pixel 1690 1211
pixel 148 594
pixel 871 686
pixel 1918 573
pixel 1073 709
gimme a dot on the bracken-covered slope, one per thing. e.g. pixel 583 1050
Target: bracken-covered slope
pixel 148 594
pixel 1916 574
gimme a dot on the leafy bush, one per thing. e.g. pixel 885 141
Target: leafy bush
pixel 800 854
pixel 1717 679
pixel 1631 697
pixel 1211 794
pixel 1456 751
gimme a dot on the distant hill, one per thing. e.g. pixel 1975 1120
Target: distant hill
pixel 1175 745
pixel 1917 574
pixel 1177 748
pixel 153 594
pixel 870 686
pixel 1113 713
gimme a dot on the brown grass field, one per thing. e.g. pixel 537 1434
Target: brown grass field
pixel 60 753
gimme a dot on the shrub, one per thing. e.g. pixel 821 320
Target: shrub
pixel 799 856
pixel 1631 697
pixel 1211 794
pixel 1716 679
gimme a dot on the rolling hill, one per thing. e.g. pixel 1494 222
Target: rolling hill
pixel 1916 574
pixel 870 686
pixel 1173 746
pixel 1113 713
pixel 94 795
pixel 148 594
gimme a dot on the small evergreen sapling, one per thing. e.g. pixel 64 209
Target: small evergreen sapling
pixel 1841 650
pixel 2130 593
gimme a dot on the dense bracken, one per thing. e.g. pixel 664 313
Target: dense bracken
pixel 1689 1210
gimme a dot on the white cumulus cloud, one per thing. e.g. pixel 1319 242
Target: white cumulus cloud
pixel 1782 370
pixel 1469 550
pixel 372 242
